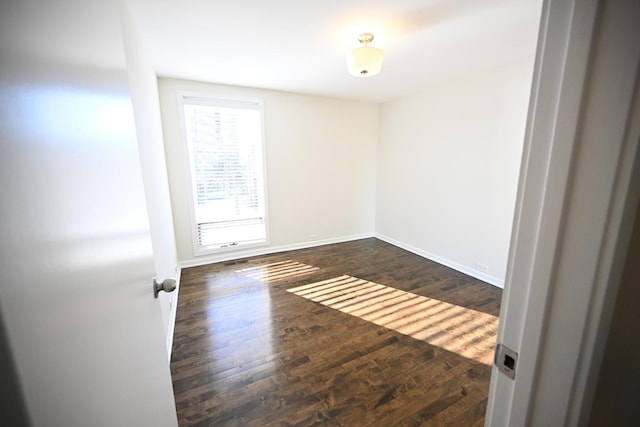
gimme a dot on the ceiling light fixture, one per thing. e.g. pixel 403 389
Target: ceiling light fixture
pixel 364 61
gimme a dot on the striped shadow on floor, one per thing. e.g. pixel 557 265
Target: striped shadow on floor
pixel 277 270
pixel 467 332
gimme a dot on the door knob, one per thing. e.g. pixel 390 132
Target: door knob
pixel 167 285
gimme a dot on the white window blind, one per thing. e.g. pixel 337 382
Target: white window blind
pixel 226 161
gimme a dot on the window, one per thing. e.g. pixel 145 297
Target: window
pixel 224 139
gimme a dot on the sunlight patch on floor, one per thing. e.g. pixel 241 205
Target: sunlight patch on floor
pixel 467 332
pixel 277 271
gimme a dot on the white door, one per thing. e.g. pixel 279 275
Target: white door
pixel 83 327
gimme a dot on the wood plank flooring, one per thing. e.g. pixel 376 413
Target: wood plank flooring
pixel 250 351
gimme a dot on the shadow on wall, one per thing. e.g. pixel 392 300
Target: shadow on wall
pixel 618 390
pixel 12 405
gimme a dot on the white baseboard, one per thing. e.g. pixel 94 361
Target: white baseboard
pixel 266 250
pixel 492 280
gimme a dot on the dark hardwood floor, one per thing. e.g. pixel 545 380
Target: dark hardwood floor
pixel 352 334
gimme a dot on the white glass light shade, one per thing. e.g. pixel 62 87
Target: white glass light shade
pixel 364 61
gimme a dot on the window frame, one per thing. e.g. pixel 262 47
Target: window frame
pixel 212 99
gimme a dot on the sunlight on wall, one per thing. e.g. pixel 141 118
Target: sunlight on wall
pixel 467 332
pixel 72 115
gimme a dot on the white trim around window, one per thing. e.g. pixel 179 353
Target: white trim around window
pixel 224 141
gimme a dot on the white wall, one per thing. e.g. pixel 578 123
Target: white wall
pixel 321 166
pixel 449 160
pixel 144 93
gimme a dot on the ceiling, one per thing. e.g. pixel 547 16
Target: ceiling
pixel 299 46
